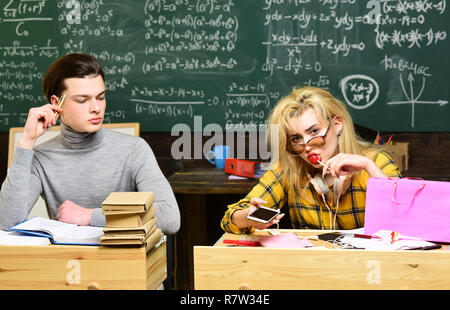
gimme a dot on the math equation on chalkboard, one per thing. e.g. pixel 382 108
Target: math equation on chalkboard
pixel 168 62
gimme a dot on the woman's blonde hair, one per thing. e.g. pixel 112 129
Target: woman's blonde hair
pixel 293 168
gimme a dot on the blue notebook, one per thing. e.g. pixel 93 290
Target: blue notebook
pixel 60 232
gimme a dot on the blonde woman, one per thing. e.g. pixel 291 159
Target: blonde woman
pixel 321 171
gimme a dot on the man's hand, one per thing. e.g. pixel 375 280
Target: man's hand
pixel 70 212
pixel 38 121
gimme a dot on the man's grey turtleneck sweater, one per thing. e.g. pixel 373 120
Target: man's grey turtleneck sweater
pixel 85 168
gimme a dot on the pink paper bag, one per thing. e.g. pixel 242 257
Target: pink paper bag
pixel 411 207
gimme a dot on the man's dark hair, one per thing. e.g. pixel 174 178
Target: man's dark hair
pixel 74 65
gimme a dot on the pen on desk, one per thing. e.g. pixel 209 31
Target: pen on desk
pixel 365 236
pixel 377 139
pixel 390 138
pixel 428 247
pixel 242 242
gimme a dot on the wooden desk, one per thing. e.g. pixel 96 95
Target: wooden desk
pixel 208 181
pixel 63 267
pixel 203 195
pixel 222 267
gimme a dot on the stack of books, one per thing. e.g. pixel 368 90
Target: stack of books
pixel 130 220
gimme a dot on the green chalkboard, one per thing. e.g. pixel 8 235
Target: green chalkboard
pixel 228 62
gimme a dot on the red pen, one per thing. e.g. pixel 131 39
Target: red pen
pixel 390 138
pixel 242 242
pixel 365 236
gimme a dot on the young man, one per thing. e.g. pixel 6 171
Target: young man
pixel 77 170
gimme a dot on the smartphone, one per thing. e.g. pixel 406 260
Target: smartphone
pixel 263 215
pixel 330 237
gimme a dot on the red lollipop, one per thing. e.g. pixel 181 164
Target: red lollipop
pixel 314 158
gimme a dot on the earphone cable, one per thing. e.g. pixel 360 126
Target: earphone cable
pixel 336 211
pixel 329 210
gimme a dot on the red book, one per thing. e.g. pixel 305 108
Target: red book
pixel 244 168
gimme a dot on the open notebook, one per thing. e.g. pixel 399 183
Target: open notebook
pixel 59 232
pixel 17 238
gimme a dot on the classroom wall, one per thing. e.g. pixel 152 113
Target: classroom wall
pixel 387 60
pixel 429 154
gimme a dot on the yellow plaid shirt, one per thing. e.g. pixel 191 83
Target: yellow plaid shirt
pixel 308 211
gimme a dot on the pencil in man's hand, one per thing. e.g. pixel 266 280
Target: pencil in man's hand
pixel 60 103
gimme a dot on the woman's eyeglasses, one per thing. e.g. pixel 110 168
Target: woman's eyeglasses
pixel 316 141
